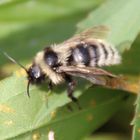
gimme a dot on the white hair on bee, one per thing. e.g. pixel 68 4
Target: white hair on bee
pixel 63 53
pixel 113 56
pixel 101 53
pixel 39 60
pixel 117 57
pixel 101 61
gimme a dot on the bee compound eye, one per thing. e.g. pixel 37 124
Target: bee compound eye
pixel 35 71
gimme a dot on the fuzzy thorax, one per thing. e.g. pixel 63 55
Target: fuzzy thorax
pixel 53 76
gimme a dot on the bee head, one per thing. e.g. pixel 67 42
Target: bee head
pixel 35 75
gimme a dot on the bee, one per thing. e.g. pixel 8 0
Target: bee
pixel 80 56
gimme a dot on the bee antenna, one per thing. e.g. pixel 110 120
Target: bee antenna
pixel 28 86
pixel 14 61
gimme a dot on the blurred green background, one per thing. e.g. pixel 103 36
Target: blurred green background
pixel 26 27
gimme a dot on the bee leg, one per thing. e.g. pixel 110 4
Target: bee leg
pixel 50 85
pixel 70 89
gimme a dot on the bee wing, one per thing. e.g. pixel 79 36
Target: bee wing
pixel 94 75
pixel 97 32
pixel 92 35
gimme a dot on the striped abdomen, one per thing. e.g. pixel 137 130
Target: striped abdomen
pixel 101 54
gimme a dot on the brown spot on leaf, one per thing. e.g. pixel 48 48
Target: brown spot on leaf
pixel 93 103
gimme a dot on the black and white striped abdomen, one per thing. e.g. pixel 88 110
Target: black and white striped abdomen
pixel 97 54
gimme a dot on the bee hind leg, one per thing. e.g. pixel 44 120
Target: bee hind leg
pixel 70 89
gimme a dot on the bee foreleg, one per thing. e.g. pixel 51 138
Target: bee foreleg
pixel 50 85
pixel 70 89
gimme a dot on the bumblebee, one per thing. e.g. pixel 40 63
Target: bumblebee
pixel 81 56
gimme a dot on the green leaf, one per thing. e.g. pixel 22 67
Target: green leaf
pixel 22 118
